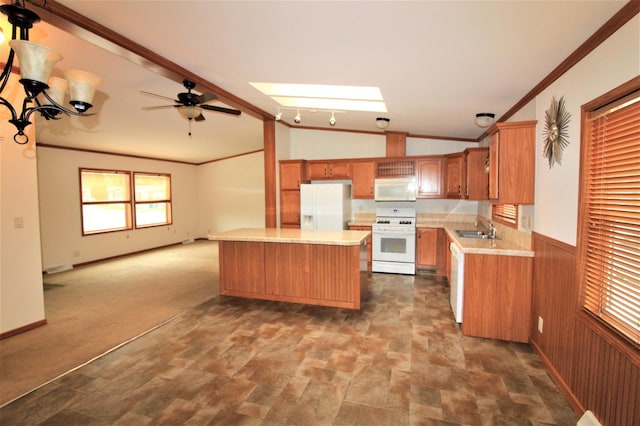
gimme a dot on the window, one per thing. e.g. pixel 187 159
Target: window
pixel 106 201
pixel 506 214
pixel 609 234
pixel 152 199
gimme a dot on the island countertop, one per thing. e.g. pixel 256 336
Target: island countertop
pixel 292 235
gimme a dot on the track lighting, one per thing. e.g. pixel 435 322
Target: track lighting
pixel 298 119
pixel 484 119
pixel 332 120
pixel 382 122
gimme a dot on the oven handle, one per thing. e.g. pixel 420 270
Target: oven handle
pixel 393 231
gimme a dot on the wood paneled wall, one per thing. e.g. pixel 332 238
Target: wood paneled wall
pixel 594 368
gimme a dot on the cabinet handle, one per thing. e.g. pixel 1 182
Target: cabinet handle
pixel 325 171
pixel 331 171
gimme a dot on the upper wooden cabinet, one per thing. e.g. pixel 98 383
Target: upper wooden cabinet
pixel 292 174
pixel 477 180
pixel 455 172
pixel 362 176
pixel 328 170
pixel 430 177
pixel 512 162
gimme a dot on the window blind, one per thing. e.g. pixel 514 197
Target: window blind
pixel 610 237
pixel 506 213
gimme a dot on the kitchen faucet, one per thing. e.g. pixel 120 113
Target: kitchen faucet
pixel 492 230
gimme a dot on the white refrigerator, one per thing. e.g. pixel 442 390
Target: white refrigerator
pixel 325 206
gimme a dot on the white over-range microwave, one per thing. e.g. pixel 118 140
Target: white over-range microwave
pixel 395 189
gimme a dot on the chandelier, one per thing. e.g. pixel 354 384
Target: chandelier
pixel 43 93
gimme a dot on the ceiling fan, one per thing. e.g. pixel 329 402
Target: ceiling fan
pixel 190 105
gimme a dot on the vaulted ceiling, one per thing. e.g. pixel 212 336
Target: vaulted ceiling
pixel 437 63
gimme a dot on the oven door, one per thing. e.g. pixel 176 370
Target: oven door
pixel 394 244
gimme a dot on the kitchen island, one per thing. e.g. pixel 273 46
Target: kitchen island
pixel 327 268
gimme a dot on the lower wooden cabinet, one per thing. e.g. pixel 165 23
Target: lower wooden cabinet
pixel 430 253
pixel 497 296
pixel 369 242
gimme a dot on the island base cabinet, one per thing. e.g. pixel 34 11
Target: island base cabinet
pixel 316 274
pixel 497 297
pixel 245 277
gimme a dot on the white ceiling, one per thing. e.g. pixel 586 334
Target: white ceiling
pixel 437 64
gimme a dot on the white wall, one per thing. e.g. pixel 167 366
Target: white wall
pixel 60 217
pixel 614 62
pixel 231 194
pixel 21 296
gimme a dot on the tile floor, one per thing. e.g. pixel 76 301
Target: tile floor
pixel 401 360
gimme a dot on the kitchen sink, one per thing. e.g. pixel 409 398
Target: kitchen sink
pixel 474 234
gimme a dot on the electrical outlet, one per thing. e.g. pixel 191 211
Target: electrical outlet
pixel 540 322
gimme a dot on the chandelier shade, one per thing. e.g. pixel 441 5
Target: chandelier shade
pixel 43 94
pixel 82 87
pixel 36 60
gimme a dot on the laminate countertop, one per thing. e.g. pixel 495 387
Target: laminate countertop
pixel 291 235
pixel 498 246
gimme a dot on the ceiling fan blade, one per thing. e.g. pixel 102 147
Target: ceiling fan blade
pixel 157 96
pixel 160 107
pixel 206 97
pixel 221 109
pixel 199 118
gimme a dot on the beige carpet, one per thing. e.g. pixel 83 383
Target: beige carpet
pixel 92 309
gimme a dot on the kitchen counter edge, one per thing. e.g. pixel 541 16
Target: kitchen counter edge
pixel 292 235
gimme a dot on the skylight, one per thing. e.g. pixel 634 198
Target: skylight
pixel 328 97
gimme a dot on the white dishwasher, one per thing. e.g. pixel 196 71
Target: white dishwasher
pixel 456 286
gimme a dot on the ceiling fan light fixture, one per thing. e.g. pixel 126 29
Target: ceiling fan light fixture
pixel 189 112
pixel 382 123
pixel 484 119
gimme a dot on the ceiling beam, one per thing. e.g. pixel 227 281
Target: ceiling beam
pixel 86 29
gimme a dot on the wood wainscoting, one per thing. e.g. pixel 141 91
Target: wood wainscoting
pixel 596 369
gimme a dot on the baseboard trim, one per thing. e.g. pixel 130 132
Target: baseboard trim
pixel 557 378
pixel 22 329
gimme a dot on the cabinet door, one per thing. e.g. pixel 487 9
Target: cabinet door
pixel 340 170
pixel 317 171
pixel 477 182
pixel 363 175
pixel 291 174
pixel 290 207
pixel 430 178
pixel 454 176
pixel 427 249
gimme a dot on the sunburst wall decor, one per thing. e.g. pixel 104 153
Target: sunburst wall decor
pixel 554 135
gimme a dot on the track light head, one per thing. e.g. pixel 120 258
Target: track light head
pixel 278 116
pixel 332 120
pixel 297 119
